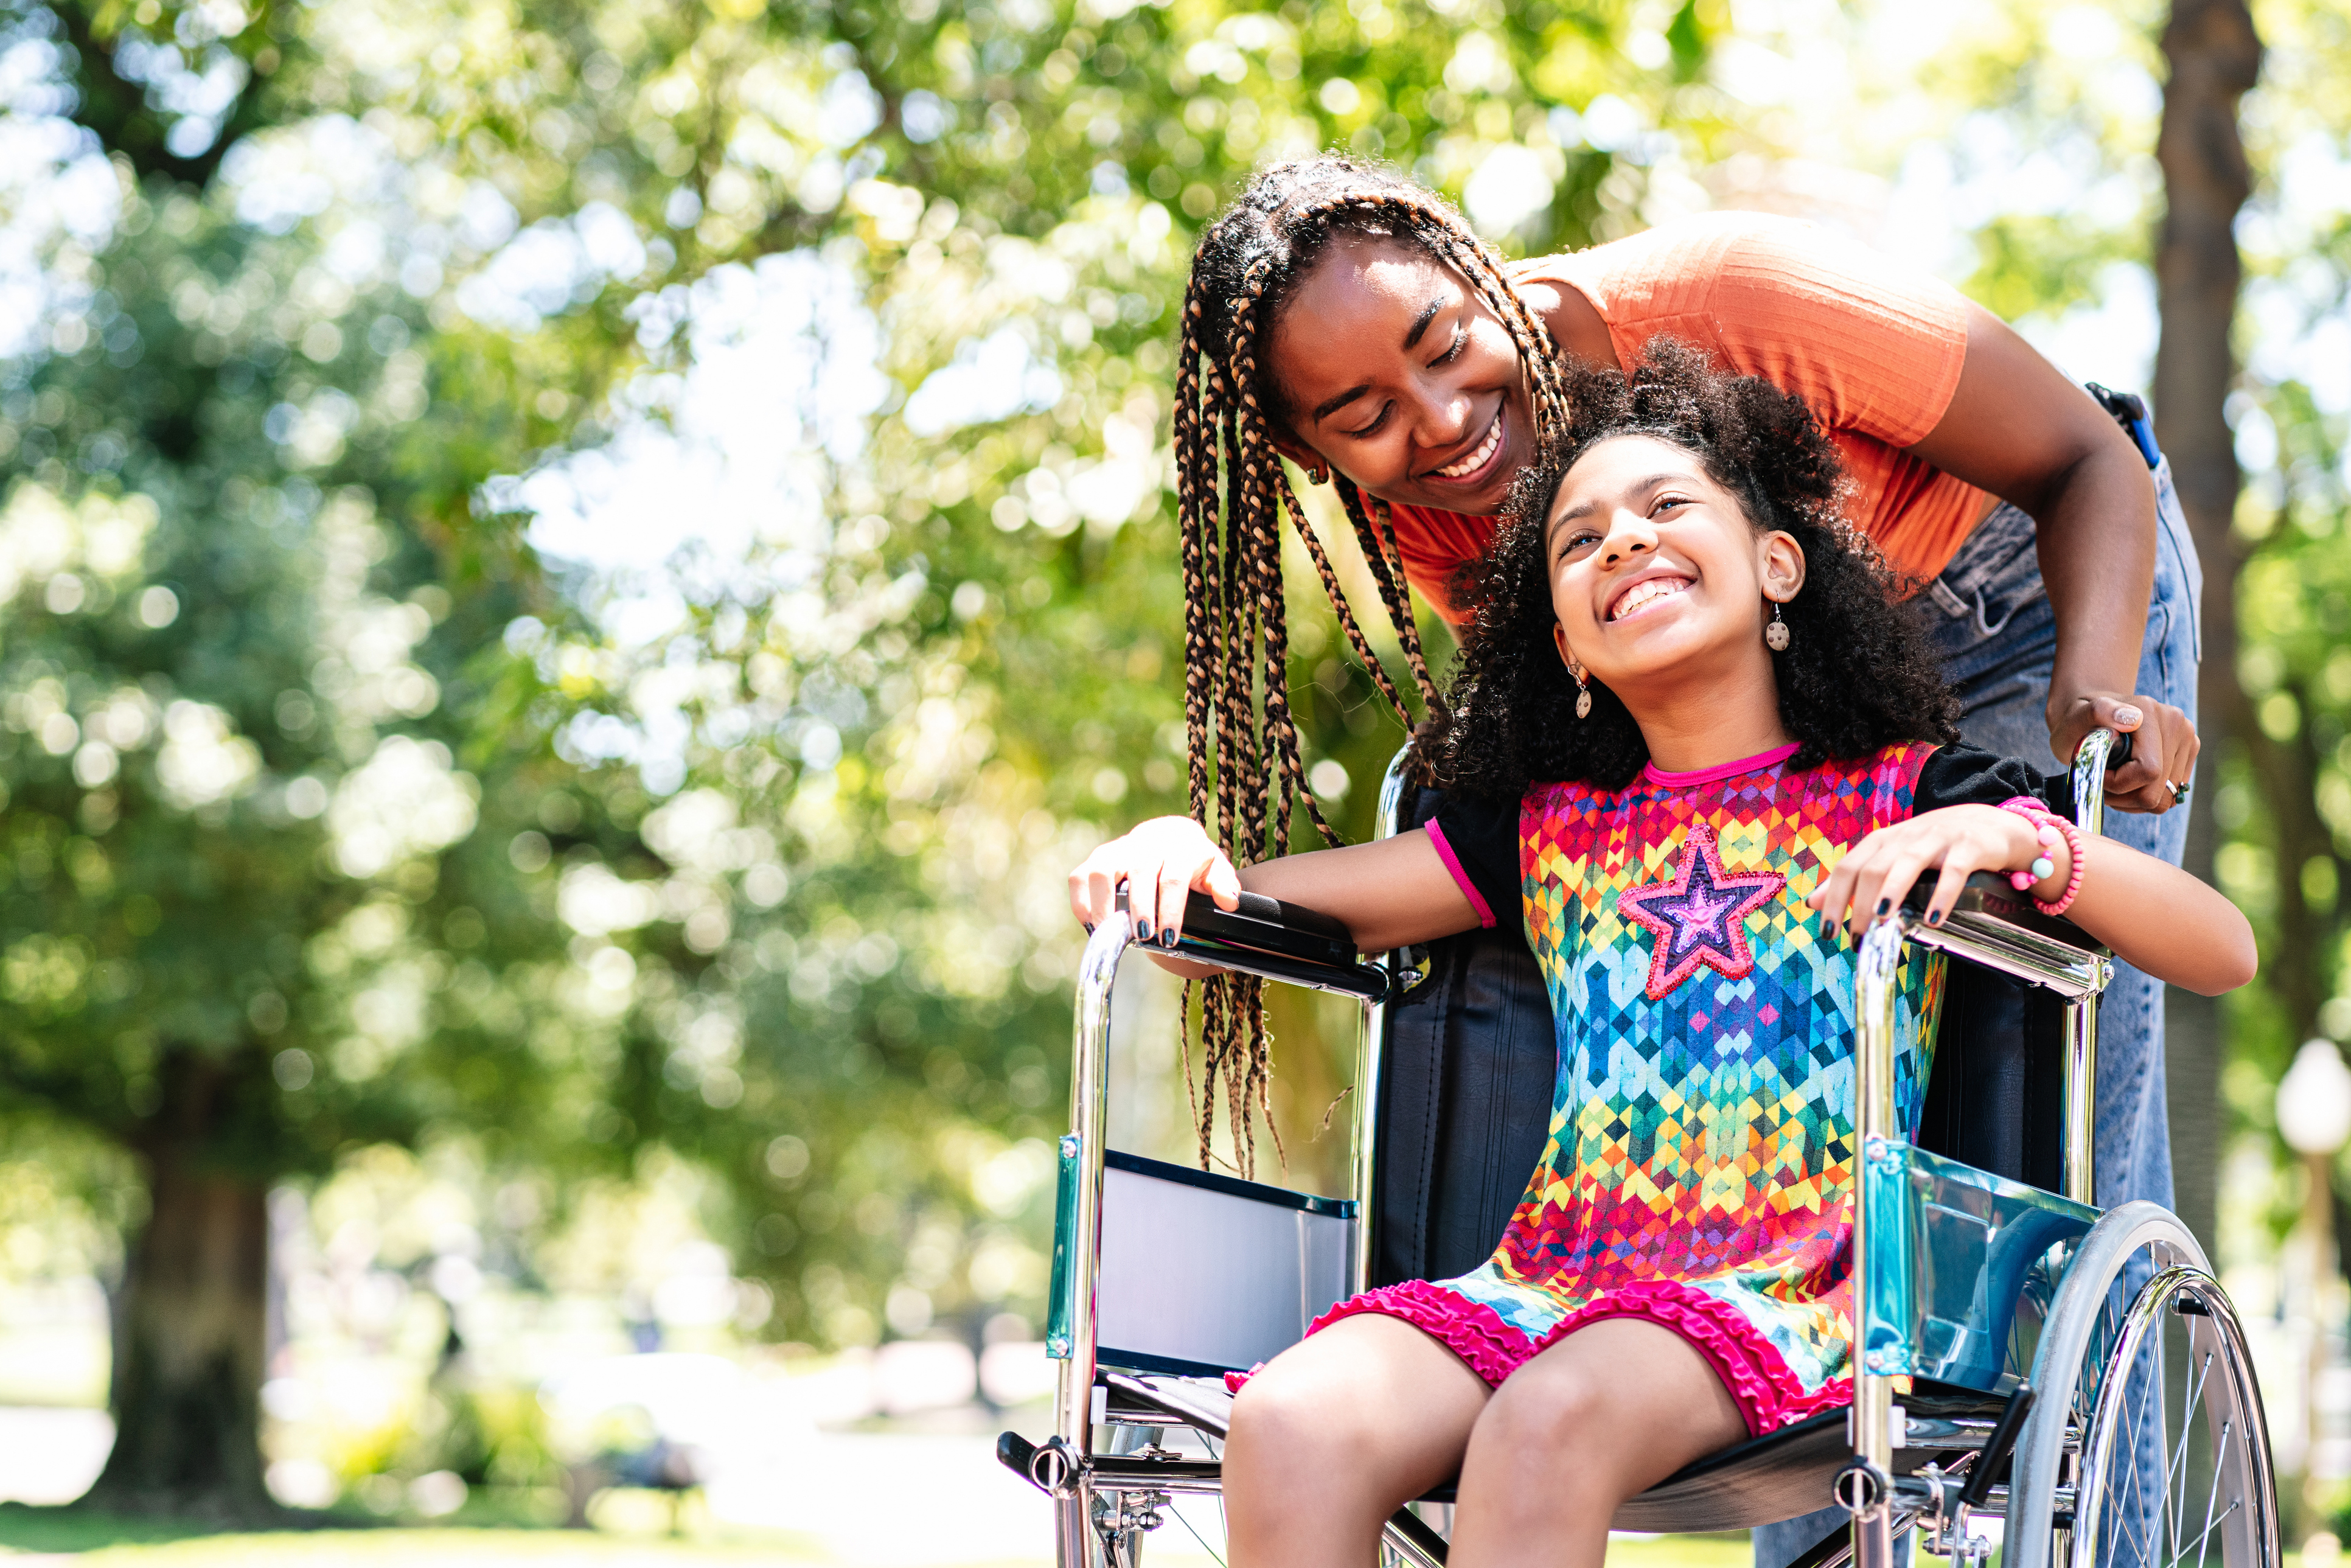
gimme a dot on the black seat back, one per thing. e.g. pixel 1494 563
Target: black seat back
pixel 1471 1060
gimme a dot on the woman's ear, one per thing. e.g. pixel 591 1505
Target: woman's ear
pixel 1317 466
pixel 1783 567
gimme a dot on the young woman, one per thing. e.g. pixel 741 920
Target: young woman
pixel 1690 749
pixel 1348 321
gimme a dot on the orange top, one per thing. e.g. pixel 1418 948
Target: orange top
pixel 1874 349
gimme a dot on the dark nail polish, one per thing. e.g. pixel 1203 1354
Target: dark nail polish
pixel 1934 917
pixel 1143 930
pixel 1167 938
pixel 1884 906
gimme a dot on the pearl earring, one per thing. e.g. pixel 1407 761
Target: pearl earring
pixel 1775 635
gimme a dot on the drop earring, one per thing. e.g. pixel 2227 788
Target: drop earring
pixel 1582 694
pixel 1775 635
pixel 1318 474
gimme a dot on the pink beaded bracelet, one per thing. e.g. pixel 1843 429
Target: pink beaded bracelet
pixel 2050 829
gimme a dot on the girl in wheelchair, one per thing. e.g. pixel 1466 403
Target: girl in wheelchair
pixel 1695 746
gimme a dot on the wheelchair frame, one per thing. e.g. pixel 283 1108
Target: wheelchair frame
pixel 1106 1501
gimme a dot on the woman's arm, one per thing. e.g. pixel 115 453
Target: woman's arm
pixel 2018 429
pixel 2154 915
pixel 1392 892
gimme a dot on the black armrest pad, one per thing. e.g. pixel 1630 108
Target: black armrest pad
pixel 1271 927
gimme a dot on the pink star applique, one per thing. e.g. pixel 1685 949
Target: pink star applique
pixel 1700 916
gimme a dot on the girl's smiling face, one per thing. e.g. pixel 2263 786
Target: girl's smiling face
pixel 1395 371
pixel 1656 574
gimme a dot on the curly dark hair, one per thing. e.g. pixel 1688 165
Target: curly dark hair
pixel 1856 675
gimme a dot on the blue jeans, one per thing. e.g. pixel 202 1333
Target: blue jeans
pixel 1991 623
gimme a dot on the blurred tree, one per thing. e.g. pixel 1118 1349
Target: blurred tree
pixel 2215 58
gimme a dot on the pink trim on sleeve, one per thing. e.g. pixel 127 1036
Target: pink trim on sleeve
pixel 1461 878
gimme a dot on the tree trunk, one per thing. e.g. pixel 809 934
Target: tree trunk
pixel 2214 56
pixel 189 1351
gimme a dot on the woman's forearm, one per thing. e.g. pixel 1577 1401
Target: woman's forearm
pixel 2096 533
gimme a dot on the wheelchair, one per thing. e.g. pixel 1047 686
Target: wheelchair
pixel 2017 1350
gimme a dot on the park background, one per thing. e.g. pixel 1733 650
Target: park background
pixel 573 575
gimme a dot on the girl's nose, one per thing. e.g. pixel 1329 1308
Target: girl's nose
pixel 1629 534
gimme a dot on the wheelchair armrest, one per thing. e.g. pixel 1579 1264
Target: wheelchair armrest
pixel 1270 926
pixel 1285 942
pixel 1989 897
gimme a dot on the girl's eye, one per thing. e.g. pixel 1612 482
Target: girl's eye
pixel 1461 340
pixel 1373 428
pixel 1580 539
pixel 1666 503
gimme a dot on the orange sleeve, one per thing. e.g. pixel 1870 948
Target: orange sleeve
pixel 1873 347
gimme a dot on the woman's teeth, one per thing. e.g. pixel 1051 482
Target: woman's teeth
pixel 1476 460
pixel 1648 592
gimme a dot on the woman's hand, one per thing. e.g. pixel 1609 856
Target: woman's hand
pixel 1161 861
pixel 2164 744
pixel 1878 873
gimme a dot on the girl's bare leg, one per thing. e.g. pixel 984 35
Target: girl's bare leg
pixel 1607 1412
pixel 1336 1434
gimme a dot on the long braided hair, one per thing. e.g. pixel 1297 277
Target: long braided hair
pixel 1233 496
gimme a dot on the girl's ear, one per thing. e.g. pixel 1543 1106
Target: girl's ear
pixel 1566 655
pixel 1781 567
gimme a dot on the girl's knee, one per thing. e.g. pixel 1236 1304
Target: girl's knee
pixel 1549 1411
pixel 1288 1408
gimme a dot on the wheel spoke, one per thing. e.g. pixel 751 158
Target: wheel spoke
pixel 2209 1521
pixel 2202 1542
pixel 2177 1472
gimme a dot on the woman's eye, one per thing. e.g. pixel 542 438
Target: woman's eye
pixel 1372 428
pixel 1461 340
pixel 1666 504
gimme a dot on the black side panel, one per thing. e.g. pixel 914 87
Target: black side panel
pixel 1464 1106
pixel 1995 1097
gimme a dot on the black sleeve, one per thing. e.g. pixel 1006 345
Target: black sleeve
pixel 1964 776
pixel 1481 840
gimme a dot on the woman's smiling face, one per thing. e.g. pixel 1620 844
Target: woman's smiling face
pixel 1394 371
pixel 1654 569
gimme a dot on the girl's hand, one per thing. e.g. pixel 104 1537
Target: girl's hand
pixel 1160 861
pixel 1878 873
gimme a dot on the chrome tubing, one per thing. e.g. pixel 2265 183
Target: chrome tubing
pixel 2081 1067
pixel 1073 1534
pixel 1370 1051
pixel 1867 1495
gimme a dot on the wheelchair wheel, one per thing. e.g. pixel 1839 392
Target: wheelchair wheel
pixel 2148 1448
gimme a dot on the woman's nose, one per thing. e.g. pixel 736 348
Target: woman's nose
pixel 1441 414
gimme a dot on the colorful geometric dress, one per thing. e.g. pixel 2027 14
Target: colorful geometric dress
pixel 1699 1170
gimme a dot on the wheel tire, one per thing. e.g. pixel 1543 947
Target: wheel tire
pixel 2087 1422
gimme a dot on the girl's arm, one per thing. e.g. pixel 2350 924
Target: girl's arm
pixel 1389 893
pixel 2154 915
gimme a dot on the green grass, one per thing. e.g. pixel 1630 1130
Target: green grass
pixel 111 1541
